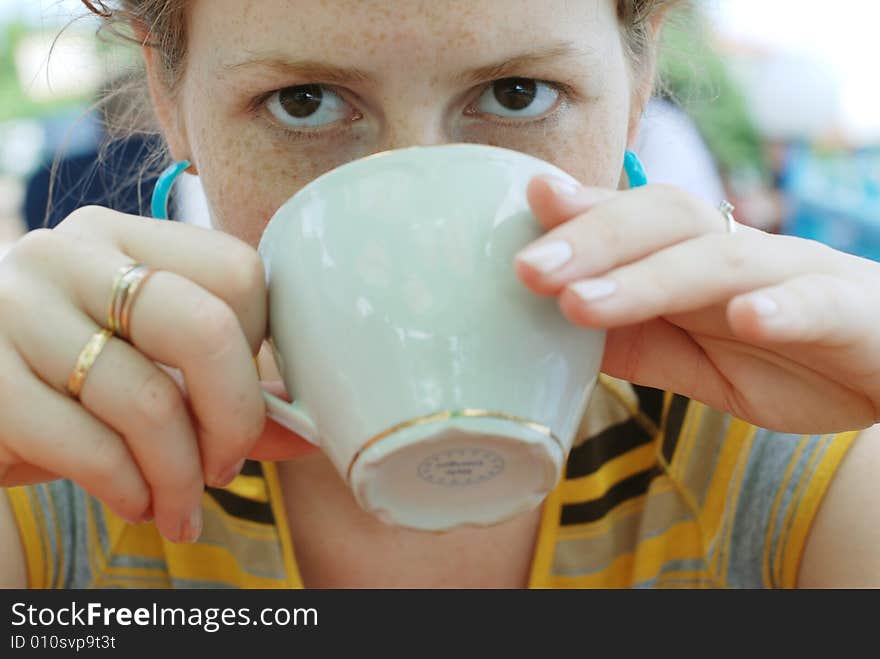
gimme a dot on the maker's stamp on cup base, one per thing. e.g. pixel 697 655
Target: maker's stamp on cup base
pixel 461 466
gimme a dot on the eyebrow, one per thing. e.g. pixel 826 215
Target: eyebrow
pixel 509 66
pixel 331 74
pixel 307 69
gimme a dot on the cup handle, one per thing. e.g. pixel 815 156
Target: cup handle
pixel 292 416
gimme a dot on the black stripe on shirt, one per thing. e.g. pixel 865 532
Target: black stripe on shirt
pixel 252 468
pixel 241 507
pixel 607 445
pixel 595 509
pixel 672 427
pixel 650 402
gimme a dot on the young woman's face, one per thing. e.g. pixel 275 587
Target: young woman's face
pixel 277 92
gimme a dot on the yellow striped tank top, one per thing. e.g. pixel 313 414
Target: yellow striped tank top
pixel 658 491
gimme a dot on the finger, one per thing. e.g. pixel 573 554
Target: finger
pixel 208 346
pixel 277 443
pixel 658 354
pixel 819 309
pixel 176 322
pixel 555 200
pixel 50 430
pixel 220 263
pixel 131 395
pixel 692 275
pixel 25 474
pixel 626 227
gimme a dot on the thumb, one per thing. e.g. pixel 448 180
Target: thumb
pixel 277 443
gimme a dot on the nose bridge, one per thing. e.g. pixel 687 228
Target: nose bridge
pixel 417 124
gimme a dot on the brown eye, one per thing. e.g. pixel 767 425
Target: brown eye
pixel 308 106
pixel 515 93
pixel 301 101
pixel 518 97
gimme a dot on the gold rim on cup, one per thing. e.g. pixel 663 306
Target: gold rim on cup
pixel 86 359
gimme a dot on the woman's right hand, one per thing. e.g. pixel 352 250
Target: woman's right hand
pixel 135 439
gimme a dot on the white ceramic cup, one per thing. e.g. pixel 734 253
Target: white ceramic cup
pixel 443 390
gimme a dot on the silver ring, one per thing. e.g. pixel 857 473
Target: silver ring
pixel 727 209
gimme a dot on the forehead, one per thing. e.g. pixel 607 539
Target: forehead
pixel 451 32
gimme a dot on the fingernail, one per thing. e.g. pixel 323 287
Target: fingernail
pixel 547 257
pixel 591 290
pixel 191 528
pixel 230 474
pixel 561 187
pixel 763 305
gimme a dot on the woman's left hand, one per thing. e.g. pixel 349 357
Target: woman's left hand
pixel 779 331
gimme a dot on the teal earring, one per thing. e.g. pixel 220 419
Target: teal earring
pixel 634 169
pixel 162 191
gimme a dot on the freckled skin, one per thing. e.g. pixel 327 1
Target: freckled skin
pixel 248 170
pixel 414 50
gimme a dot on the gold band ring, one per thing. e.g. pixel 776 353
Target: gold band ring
pixel 87 357
pixel 727 209
pixel 138 277
pixel 115 292
pixel 125 287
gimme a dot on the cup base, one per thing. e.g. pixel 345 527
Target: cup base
pixel 458 471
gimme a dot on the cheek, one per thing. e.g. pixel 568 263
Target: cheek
pixel 249 172
pixel 246 185
pixel 591 144
pixel 591 151
pixel 587 140
pixel 589 147
pixel 247 177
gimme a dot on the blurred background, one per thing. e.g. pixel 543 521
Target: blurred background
pixel 772 105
